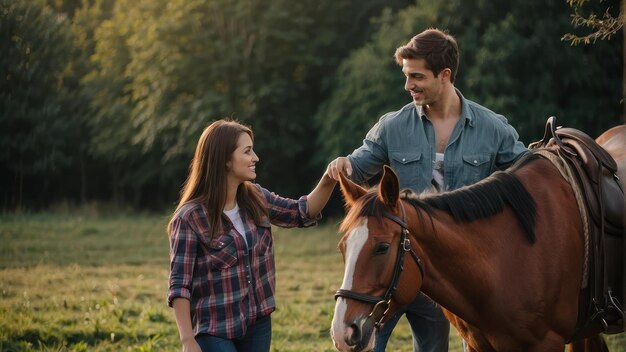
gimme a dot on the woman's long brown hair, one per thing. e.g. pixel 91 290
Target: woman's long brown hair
pixel 206 182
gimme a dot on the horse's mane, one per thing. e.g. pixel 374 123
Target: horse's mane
pixel 480 200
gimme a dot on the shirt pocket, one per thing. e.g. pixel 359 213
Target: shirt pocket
pixel 222 253
pixel 476 167
pixel 408 167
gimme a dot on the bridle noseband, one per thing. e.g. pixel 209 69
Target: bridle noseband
pixel 385 300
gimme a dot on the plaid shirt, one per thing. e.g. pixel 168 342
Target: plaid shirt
pixel 228 284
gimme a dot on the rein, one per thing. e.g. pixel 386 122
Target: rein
pixel 385 300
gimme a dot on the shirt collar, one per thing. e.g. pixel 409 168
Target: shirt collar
pixel 465 110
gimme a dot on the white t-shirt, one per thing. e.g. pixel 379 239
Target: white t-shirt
pixel 233 215
pixel 438 182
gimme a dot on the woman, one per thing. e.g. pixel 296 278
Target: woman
pixel 222 281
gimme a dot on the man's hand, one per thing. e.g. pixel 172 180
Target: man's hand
pixel 339 165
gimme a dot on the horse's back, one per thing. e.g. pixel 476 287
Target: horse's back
pixel 614 142
pixel 615 135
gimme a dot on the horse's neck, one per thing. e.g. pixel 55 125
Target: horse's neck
pixel 459 259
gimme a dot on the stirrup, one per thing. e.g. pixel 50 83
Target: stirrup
pixel 613 305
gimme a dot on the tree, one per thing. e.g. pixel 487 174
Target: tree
pixel 39 135
pixel 108 84
pixel 602 28
pixel 164 70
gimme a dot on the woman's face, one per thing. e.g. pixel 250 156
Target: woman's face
pixel 242 164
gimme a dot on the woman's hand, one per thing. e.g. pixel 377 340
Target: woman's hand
pixel 190 345
pixel 183 320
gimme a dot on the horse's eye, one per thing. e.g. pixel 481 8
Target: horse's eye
pixel 381 248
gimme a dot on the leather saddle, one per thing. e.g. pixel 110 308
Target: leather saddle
pixel 595 171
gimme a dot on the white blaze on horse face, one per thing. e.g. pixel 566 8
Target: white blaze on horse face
pixel 354 244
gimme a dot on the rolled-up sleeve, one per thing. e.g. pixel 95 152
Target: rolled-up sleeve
pixel 183 248
pixel 303 211
pixel 286 212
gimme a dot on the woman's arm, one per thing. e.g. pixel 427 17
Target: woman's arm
pixel 183 245
pixel 183 320
pixel 317 199
pixel 305 211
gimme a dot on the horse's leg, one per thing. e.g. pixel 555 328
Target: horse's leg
pixel 591 344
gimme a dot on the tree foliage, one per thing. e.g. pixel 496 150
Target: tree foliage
pixel 40 135
pixel 602 25
pixel 163 70
pixel 105 100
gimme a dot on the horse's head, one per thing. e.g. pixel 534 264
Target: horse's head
pixel 382 272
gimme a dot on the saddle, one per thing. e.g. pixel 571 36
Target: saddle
pixel 595 173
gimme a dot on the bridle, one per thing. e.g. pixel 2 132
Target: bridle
pixel 385 300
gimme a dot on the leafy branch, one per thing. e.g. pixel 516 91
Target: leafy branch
pixel 603 28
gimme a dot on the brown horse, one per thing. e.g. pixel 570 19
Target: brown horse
pixel 503 257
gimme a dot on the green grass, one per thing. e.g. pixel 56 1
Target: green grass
pixel 93 283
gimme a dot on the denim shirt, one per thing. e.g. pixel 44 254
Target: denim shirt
pixel 481 142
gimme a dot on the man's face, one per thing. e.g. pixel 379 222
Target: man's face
pixel 421 82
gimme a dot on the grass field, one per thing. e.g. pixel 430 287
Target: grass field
pixel 98 283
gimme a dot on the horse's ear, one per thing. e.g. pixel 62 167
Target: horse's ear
pixel 351 191
pixel 389 188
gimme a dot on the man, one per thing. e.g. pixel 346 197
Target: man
pixel 441 141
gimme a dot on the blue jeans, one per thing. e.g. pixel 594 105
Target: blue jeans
pixel 257 339
pixel 430 327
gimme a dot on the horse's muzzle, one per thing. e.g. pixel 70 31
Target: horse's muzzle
pixel 356 336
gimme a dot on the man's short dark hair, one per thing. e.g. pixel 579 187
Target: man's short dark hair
pixel 438 48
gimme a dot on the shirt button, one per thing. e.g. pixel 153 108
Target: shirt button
pixel 403 159
pixel 475 162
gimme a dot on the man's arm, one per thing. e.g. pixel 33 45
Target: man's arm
pixel 511 148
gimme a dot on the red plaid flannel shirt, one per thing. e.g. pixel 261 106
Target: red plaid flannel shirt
pixel 228 284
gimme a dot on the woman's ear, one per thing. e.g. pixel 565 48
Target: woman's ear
pixel 228 165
